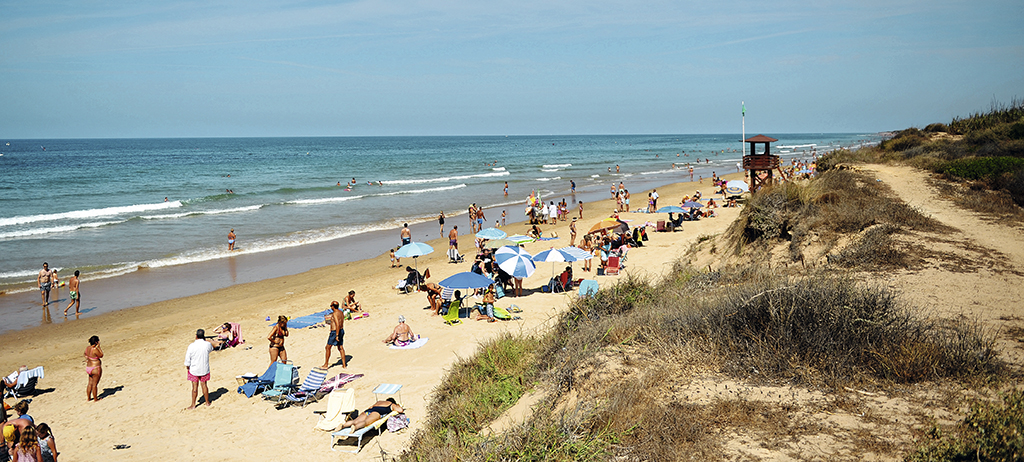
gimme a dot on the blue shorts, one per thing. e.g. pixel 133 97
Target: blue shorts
pixel 479 221
pixel 336 340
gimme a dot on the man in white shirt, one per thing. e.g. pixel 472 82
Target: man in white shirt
pixel 654 195
pixel 197 365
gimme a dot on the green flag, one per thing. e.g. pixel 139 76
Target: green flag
pixel 744 109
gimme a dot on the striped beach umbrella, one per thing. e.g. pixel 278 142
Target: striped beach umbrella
pixel 577 252
pixel 736 187
pixel 554 256
pixel 521 239
pixel 515 261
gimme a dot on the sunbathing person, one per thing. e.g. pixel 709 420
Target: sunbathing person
pixel 373 414
pixel 535 232
pixel 402 334
pixel 224 336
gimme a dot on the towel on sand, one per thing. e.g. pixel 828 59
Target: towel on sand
pixel 415 344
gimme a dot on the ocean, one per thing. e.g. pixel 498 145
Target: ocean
pixel 116 207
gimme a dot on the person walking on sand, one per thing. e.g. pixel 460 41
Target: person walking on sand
pixel 440 220
pixel 197 367
pixel 46 279
pixel 453 238
pixel 76 295
pixel 336 337
pixel 231 239
pixel 93 368
pixel 406 234
pixel 572 232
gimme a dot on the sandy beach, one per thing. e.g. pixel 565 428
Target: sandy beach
pixel 144 390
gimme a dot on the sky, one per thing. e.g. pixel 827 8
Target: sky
pixel 110 69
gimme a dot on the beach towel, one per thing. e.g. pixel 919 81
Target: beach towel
pixel 236 334
pixel 409 346
pixel 547 238
pixel 305 321
pixel 338 381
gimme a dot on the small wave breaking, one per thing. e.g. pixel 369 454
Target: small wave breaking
pixel 89 213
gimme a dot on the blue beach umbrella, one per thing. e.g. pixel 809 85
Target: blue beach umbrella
pixel 692 205
pixel 491 233
pixel 554 256
pixel 671 209
pixel 414 249
pixel 466 280
pixel 515 261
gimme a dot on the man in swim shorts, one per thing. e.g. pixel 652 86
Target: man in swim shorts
pixel 76 295
pixel 336 337
pixel 406 234
pixel 197 366
pixel 46 278
pixel 453 238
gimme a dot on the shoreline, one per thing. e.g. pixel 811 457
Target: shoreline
pixel 144 387
pixel 146 286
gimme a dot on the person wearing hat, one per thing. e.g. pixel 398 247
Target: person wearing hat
pixel 402 334
pixel 197 367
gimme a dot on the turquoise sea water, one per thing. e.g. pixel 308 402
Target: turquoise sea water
pixel 97 205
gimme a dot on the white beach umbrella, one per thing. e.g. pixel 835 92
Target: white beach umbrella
pixel 515 261
pixel 414 249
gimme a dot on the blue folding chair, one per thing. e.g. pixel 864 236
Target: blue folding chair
pixel 308 391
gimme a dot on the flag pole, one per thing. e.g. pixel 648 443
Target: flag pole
pixel 743 112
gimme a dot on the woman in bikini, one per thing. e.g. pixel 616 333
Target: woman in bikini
pixel 93 368
pixel 373 414
pixel 276 338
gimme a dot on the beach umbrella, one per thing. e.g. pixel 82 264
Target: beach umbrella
pixel 554 256
pixel 521 239
pixel 466 280
pixel 609 223
pixel 692 205
pixel 671 209
pixel 495 243
pixel 577 252
pixel 515 261
pixel 414 250
pixel 491 233
pixel 736 187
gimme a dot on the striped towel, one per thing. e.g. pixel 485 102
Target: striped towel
pixel 338 381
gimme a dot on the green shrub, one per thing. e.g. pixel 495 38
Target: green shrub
pixel 983 167
pixel 936 128
pixel 991 431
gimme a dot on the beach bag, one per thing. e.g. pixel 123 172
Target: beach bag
pixel 498 292
pixel 397 422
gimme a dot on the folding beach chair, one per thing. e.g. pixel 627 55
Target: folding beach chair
pixel 612 267
pixel 358 434
pixel 454 256
pixel 307 392
pixel 451 317
pixel 258 384
pixel 24 383
pixel 285 381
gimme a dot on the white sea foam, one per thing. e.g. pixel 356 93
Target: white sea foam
pixel 794 146
pixel 498 169
pixel 595 176
pixel 446 178
pixel 549 179
pixel 549 169
pixel 89 213
pixel 55 229
pixel 324 200
pixel 418 191
pixel 203 212
pixel 556 165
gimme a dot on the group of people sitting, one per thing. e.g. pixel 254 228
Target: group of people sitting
pixel 24 441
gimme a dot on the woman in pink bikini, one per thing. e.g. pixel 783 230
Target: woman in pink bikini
pixel 94 368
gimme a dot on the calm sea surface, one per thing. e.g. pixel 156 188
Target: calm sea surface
pixel 98 205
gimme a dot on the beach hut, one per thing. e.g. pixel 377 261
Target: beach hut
pixel 760 165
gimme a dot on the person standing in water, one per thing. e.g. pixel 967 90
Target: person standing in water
pixel 231 239
pixel 46 278
pixel 76 294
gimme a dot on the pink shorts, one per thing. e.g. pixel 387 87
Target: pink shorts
pixel 202 378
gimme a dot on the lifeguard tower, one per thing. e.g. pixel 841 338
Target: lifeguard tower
pixel 758 163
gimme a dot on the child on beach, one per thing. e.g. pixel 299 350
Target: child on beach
pixel 502 218
pixel 393 259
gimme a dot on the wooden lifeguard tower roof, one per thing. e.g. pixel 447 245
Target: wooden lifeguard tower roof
pixel 760 139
